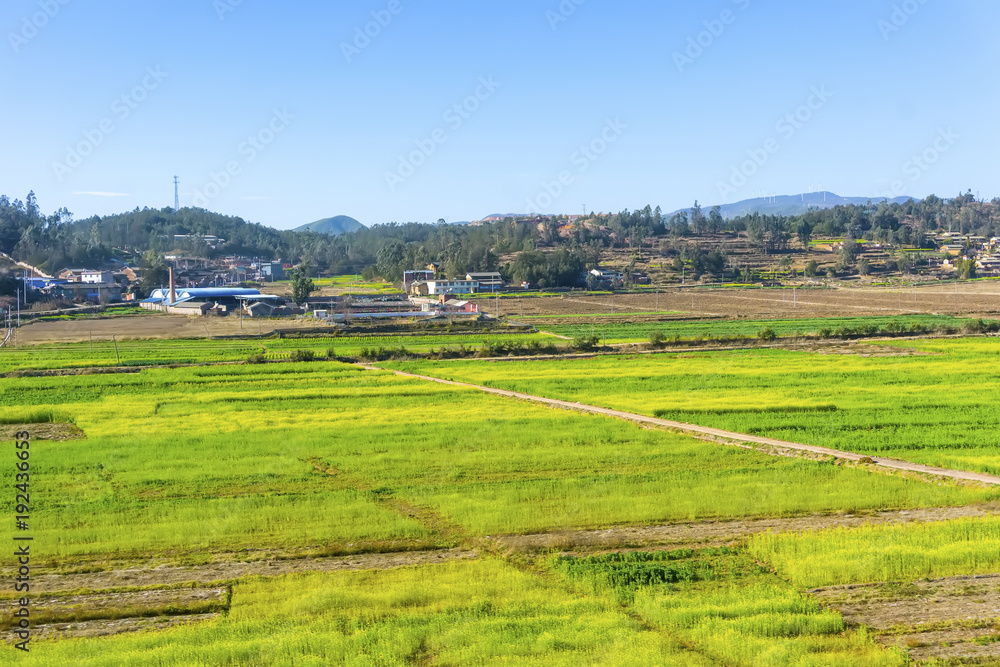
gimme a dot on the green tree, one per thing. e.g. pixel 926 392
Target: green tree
pixel 812 268
pixel 805 233
pixel 966 269
pixel 302 284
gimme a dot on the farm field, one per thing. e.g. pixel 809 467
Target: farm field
pixel 299 458
pixel 108 353
pixel 967 299
pixel 706 609
pixel 930 406
pixel 285 467
pixel 640 332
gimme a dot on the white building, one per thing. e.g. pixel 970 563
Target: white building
pixel 439 287
pixel 97 277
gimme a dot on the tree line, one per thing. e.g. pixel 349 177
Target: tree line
pixel 546 252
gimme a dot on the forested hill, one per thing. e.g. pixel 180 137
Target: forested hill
pixel 544 251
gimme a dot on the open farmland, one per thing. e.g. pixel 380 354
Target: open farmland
pixel 202 473
pixel 614 332
pixel 317 513
pixel 971 299
pixel 109 353
pixel 302 458
pixel 929 407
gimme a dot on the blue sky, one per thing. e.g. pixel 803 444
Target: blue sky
pixel 281 114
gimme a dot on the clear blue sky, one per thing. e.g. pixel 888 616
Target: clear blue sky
pixel 677 129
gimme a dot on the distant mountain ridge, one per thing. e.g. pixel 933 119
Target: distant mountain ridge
pixel 336 226
pixel 793 204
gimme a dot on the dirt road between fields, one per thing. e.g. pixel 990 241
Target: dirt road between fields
pixel 717 434
pixel 165 575
pixel 704 534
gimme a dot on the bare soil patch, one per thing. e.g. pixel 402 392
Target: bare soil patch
pixel 228 571
pixel 117 626
pixel 112 612
pixel 721 533
pixel 50 431
pixel 152 325
pixel 980 299
pixel 955 617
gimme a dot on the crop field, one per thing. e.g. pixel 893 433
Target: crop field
pixel 884 553
pixel 214 460
pixel 194 473
pixel 639 332
pixel 931 406
pixel 715 607
pixel 107 353
pixel 965 299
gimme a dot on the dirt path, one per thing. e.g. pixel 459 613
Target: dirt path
pixel 231 571
pixel 704 534
pixel 736 438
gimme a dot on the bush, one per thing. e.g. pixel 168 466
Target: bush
pixel 331 353
pixel 767 334
pixel 585 343
pixel 895 327
pixel 255 359
pixel 657 338
pixel 303 355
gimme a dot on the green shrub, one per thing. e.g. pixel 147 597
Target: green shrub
pixel 767 334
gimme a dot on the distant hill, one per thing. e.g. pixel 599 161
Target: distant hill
pixel 793 204
pixel 341 224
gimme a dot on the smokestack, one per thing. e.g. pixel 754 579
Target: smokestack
pixel 173 287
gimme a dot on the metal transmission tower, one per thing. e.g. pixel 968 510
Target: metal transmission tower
pixel 177 195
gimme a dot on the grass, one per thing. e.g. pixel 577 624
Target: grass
pixel 884 553
pixel 481 613
pixel 932 407
pixel 639 332
pixel 321 457
pixel 193 351
pixel 725 605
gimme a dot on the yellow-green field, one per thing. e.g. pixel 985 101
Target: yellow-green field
pixel 931 406
pixel 197 466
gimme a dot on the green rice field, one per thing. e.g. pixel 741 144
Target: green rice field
pixel 203 460
pixel 931 406
pixel 640 332
pixel 108 353
pixel 196 465
pixel 489 613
